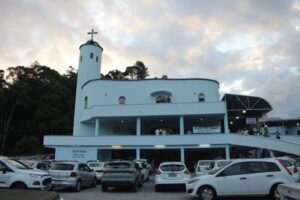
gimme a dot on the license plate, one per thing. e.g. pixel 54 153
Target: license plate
pixel 172 175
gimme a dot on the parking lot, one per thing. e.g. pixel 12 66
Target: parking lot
pixel 144 193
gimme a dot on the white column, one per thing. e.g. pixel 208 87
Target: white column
pixel 138 153
pixel 182 159
pixel 138 126
pixel 181 125
pixel 97 126
pixel 226 129
pixel 227 151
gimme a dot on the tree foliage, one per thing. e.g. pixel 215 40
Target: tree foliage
pixel 34 101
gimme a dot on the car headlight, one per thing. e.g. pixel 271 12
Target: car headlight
pixel 35 175
pixel 193 180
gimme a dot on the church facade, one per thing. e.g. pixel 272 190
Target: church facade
pixel 157 119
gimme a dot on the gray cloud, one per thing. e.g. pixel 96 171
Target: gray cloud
pixel 250 47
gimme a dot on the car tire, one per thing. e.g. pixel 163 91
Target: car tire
pixel 207 193
pixel 104 188
pixel 77 187
pixel 157 188
pixel 19 185
pixel 274 195
pixel 135 186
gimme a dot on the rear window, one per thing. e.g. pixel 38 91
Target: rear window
pixel 172 167
pixel 121 165
pixel 62 166
pixel 95 165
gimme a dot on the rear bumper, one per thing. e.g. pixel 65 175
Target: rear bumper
pixel 63 183
pixel 117 182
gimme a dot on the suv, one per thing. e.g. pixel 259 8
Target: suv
pixel 72 174
pixel 122 173
pixel 245 177
pixel 15 174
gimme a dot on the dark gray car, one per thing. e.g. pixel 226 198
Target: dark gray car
pixel 122 173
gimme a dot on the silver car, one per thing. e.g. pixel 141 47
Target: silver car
pixel 72 174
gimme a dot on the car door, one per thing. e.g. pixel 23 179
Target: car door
pixel 233 180
pixel 5 175
pixel 90 175
pixel 83 174
pixel 261 176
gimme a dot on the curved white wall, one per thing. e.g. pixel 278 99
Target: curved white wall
pixel 107 92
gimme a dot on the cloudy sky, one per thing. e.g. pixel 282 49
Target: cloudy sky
pixel 251 47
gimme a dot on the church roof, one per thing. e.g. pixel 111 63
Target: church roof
pixel 91 42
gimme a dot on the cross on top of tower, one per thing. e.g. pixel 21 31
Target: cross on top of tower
pixel 92 34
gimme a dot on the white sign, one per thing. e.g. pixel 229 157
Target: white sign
pixel 209 129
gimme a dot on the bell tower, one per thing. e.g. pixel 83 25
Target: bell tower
pixel 89 68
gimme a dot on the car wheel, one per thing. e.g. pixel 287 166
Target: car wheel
pixel 274 195
pixel 104 188
pixel 19 185
pixel 157 188
pixel 77 186
pixel 207 193
pixel 94 183
pixel 135 186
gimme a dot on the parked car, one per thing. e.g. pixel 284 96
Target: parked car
pixel 122 173
pixel 171 174
pixel 217 164
pixel 72 174
pixel 289 162
pixel 289 191
pixel 244 177
pixel 98 167
pixel 145 170
pixel 17 175
pixel 201 167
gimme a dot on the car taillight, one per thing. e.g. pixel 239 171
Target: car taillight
pixel 199 169
pixel 186 171
pixel 157 172
pixel 287 169
pixel 73 174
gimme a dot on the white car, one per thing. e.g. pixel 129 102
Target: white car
pixel 171 173
pixel 17 175
pixel 209 166
pixel 244 177
pixel 201 167
pixel 98 168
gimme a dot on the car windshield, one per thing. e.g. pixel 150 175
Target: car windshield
pixel 18 164
pixel 118 165
pixel 172 167
pixel 95 165
pixel 62 166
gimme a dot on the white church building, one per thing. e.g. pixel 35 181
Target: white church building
pixel 158 119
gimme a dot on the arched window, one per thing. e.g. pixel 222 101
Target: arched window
pixel 80 58
pixel 163 99
pixel 85 102
pixel 91 55
pixel 122 100
pixel 201 97
pixel 96 58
